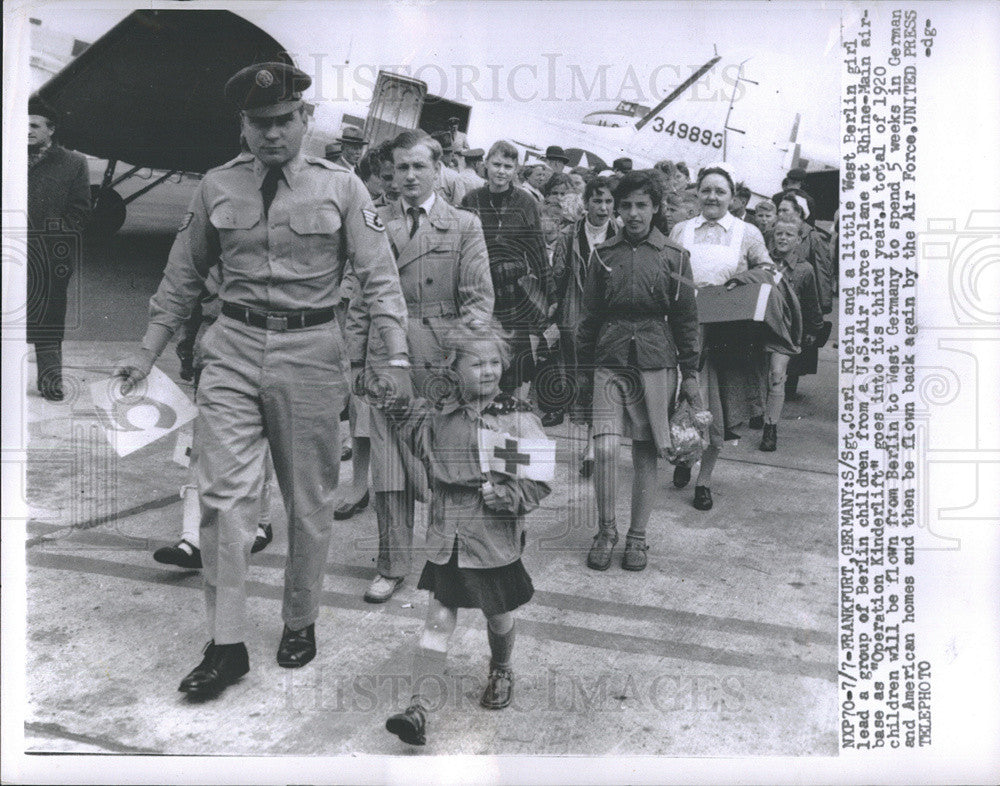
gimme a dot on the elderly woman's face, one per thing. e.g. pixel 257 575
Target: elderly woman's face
pixel 715 196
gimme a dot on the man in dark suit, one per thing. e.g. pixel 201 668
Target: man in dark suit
pixel 444 273
pixel 58 205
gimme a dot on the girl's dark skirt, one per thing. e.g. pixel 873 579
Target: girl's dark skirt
pixel 494 590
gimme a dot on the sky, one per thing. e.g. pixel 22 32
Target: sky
pixel 556 59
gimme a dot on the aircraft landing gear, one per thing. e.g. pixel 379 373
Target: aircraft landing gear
pixel 107 213
pixel 108 206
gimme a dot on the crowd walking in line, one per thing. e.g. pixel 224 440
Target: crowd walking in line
pixel 438 295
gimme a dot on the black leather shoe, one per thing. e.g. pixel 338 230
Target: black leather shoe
pixel 182 554
pixel 769 442
pixel 52 391
pixel 347 510
pixel 499 688
pixel 682 476
pixel 410 725
pixel 757 422
pixel 702 498
pixel 222 666
pixel 261 542
pixel 297 647
pixel 49 381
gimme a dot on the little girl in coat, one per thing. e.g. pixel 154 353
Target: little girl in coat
pixel 475 532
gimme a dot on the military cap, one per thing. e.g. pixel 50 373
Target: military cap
pixel 798 174
pixel 556 153
pixel 352 136
pixel 267 89
pixel 476 152
pixel 622 164
pixel 453 121
pixel 37 106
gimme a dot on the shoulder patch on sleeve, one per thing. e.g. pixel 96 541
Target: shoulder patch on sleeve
pixel 372 221
pixel 186 221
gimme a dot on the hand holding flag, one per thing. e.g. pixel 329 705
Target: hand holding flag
pixel 521 457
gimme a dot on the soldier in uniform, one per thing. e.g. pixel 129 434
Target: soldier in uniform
pixel 449 183
pixel 444 272
pixel 281 225
pixel 459 139
pixel 468 171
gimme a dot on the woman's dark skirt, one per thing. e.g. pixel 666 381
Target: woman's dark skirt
pixel 494 590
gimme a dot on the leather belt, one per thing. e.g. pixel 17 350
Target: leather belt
pixel 278 320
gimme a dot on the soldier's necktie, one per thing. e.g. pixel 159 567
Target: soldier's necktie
pixel 415 215
pixel 270 186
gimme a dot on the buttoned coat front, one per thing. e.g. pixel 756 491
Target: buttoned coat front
pixel 58 204
pixel 445 440
pixel 444 273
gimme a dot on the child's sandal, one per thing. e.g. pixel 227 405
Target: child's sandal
pixel 634 557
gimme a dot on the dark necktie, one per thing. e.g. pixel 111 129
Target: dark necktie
pixel 415 215
pixel 270 186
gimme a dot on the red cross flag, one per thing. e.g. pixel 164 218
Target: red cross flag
pixel 521 457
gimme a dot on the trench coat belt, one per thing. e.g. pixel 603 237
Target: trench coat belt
pixel 437 308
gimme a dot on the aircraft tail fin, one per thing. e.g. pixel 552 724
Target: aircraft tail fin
pixel 678 91
pixel 717 114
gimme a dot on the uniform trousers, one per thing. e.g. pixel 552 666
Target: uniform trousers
pixel 284 389
pixel 395 513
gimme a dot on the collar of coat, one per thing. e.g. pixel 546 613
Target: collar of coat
pixel 42 152
pixel 437 217
pixel 580 229
pixel 655 239
pixel 503 404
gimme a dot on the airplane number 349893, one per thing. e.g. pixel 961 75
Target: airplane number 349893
pixel 703 136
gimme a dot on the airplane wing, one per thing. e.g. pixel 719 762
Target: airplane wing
pixel 150 91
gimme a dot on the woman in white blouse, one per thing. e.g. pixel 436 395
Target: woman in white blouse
pixel 724 250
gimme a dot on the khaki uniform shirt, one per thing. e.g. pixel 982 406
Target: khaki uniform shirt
pixel 292 259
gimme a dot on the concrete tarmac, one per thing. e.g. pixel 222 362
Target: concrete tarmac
pixel 724 645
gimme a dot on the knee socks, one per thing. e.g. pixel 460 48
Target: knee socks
pixel 500 633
